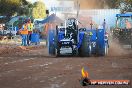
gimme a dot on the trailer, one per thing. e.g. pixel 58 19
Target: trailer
pixel 72 40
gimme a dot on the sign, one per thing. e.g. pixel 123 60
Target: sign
pixel 62 7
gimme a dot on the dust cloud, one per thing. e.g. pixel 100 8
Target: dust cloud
pixel 116 49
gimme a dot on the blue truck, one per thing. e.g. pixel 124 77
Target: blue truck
pixel 69 39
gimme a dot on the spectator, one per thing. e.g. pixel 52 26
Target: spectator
pixel 128 24
pixel 24 33
pixel 30 30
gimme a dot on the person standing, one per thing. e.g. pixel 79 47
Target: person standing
pixel 30 30
pixel 24 33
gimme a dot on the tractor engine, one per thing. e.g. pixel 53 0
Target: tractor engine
pixel 71 30
pixel 67 45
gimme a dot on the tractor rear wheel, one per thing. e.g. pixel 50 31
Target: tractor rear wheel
pixel 85 49
pixel 51 42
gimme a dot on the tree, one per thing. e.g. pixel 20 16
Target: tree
pixel 10 7
pixel 39 10
pixel 124 5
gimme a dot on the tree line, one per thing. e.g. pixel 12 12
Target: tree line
pixel 22 7
pixel 38 10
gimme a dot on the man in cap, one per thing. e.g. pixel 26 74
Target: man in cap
pixel 30 30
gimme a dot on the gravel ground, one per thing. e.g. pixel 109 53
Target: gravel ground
pixel 32 67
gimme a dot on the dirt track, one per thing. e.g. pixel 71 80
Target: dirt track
pixel 35 69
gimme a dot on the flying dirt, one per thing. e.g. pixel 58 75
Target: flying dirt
pixel 34 68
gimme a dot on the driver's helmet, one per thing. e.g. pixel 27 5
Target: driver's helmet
pixel 70 24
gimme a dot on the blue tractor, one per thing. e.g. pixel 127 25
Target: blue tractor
pixel 123 30
pixel 72 40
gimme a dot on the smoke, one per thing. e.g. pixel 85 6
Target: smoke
pixel 92 4
pixel 116 49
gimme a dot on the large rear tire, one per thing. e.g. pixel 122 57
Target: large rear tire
pixel 51 42
pixel 86 46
